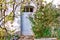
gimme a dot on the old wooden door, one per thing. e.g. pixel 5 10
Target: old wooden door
pixel 26 24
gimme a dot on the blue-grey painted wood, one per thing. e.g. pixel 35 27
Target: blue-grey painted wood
pixel 26 24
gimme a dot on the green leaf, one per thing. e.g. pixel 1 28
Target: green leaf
pixel 9 17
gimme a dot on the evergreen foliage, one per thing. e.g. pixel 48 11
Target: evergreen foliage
pixel 44 20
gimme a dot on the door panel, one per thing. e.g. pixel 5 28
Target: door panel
pixel 26 24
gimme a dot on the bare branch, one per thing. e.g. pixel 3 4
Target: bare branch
pixel 19 4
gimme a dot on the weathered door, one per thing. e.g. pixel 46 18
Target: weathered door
pixel 26 24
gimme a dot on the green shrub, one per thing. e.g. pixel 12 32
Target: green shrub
pixel 43 21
